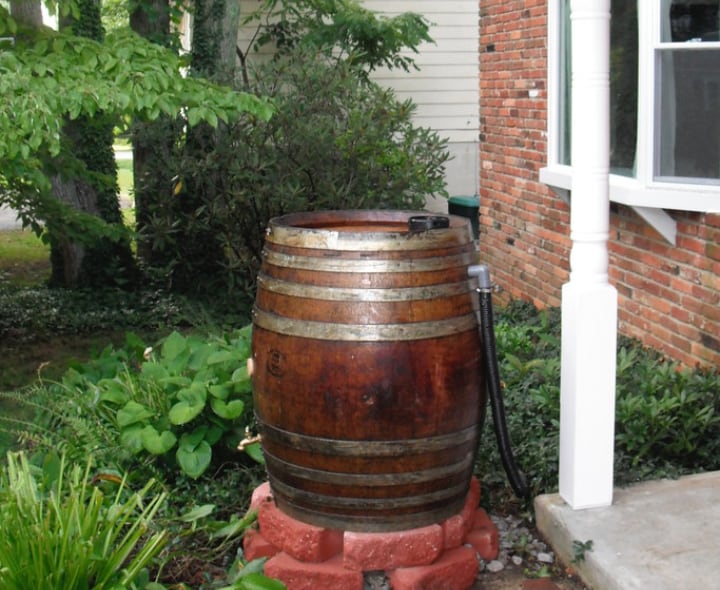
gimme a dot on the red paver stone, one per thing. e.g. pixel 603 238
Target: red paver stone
pixel 480 519
pixel 261 494
pixel 298 575
pixel 454 570
pixel 454 531
pixel 390 550
pixel 256 546
pixel 302 541
pixel 485 541
pixel 471 504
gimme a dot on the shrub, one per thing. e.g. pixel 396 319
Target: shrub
pixel 335 141
pixel 667 416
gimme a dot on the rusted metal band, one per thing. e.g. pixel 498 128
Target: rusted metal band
pixel 277 466
pixel 363 332
pixel 371 504
pixel 294 289
pixel 372 265
pixel 367 448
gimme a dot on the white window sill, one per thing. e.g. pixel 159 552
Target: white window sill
pixel 647 200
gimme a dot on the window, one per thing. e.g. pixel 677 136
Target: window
pixel 687 95
pixel 664 103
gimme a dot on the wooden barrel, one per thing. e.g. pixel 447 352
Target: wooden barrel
pixel 367 376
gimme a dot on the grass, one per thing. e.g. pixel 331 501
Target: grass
pixel 125 178
pixel 24 258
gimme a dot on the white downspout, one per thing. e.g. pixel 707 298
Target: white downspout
pixel 589 302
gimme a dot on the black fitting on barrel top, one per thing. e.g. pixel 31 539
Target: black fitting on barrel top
pixel 418 223
pixel 517 479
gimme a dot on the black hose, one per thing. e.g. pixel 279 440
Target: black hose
pixel 517 479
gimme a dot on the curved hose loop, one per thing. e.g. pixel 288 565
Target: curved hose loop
pixel 517 479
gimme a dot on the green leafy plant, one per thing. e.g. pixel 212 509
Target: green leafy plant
pixel 341 29
pixel 336 140
pixel 667 416
pixel 184 400
pixel 580 548
pixel 180 406
pixel 63 529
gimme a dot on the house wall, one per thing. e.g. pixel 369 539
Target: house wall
pixel 668 295
pixel 444 89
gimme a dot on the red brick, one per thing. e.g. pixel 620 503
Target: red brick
pixel 456 528
pixel 256 546
pixel 455 570
pixel 300 540
pixel 260 494
pixel 386 551
pixel 471 500
pixel 299 575
pixel 484 536
pixel 454 531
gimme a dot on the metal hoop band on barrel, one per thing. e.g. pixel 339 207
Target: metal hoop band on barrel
pixel 363 332
pixel 367 448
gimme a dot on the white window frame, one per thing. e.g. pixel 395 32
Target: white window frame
pixel 648 196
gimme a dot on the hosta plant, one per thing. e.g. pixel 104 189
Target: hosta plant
pixel 187 400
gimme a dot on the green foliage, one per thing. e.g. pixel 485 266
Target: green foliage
pixel 341 29
pixel 48 78
pixel 667 416
pixel 65 527
pixel 61 74
pixel 180 406
pixel 86 312
pixel 580 549
pixel 528 350
pixel 335 141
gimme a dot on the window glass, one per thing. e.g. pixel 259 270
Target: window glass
pixel 565 84
pixel 689 21
pixel 688 93
pixel 623 86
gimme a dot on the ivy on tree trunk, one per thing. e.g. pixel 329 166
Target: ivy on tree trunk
pixel 86 179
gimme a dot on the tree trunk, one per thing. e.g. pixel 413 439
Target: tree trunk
pixel 67 255
pixel 89 184
pixel 153 144
pixel 27 12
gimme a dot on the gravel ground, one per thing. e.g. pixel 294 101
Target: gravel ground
pixel 522 556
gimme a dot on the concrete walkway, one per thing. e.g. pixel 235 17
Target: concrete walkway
pixel 659 535
pixel 8 219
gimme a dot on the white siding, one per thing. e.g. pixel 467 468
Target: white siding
pixel 448 73
pixel 446 86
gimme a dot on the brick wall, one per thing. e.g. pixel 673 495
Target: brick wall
pixel 668 296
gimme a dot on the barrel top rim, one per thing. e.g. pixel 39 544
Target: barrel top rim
pixel 363 229
pixel 327 220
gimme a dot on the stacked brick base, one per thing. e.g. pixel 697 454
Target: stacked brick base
pixel 441 556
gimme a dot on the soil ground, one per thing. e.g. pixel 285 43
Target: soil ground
pixel 514 578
